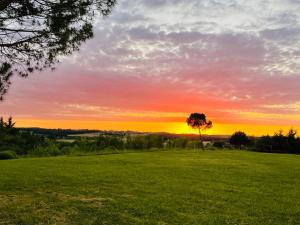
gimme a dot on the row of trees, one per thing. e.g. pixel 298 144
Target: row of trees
pixel 14 140
pixel 133 142
pixel 278 143
pixel 22 142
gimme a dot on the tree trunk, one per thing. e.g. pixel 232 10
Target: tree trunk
pixel 200 136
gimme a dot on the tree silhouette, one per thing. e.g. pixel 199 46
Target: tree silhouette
pixel 239 138
pixel 33 33
pixel 7 127
pixel 10 124
pixel 2 123
pixel 198 121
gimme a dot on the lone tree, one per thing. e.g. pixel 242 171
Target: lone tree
pixel 33 33
pixel 198 121
pixel 239 138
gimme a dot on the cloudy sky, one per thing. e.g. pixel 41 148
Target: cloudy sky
pixel 151 63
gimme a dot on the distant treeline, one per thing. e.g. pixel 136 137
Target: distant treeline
pixel 279 142
pixel 55 133
pixel 68 133
pixel 40 142
pixel 46 142
pixel 14 141
pixel 114 143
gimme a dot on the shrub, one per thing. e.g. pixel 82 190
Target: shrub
pixel 264 144
pixel 238 139
pixel 228 146
pixel 156 141
pixel 67 150
pixel 219 144
pixel 49 150
pixel 194 145
pixel 104 142
pixel 7 155
pixel 179 143
pixel 137 142
pixel 279 143
pixel 210 147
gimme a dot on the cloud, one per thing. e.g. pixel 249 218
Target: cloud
pixel 176 57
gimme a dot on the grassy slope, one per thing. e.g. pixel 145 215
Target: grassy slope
pixel 152 188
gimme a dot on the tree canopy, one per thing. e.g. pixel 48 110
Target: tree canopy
pixel 239 138
pixel 33 33
pixel 198 121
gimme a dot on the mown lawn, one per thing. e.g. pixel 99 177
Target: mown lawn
pixel 205 187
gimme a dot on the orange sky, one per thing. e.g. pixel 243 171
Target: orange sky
pixel 152 63
pixel 171 127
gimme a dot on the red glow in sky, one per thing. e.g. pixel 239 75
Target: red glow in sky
pixel 151 64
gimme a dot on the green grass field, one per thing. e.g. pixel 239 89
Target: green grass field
pixel 205 187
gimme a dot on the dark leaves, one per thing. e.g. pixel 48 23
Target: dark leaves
pixel 198 121
pixel 34 33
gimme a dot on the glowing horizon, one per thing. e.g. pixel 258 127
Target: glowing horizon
pixel 169 127
pixel 151 63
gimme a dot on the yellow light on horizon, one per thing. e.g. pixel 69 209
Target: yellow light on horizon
pixel 170 127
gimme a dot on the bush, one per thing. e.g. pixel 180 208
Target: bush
pixel 7 155
pixel 46 150
pixel 279 143
pixel 239 139
pixel 210 147
pixel 264 144
pixel 67 150
pixel 194 145
pixel 179 143
pixel 219 144
pixel 104 142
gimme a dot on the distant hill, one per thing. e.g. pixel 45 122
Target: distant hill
pixel 64 133
pixel 56 133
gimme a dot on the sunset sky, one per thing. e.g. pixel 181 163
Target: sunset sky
pixel 151 63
